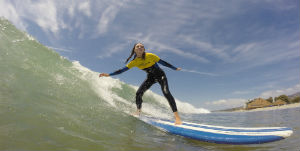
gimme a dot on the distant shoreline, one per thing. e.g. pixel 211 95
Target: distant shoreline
pixel 294 105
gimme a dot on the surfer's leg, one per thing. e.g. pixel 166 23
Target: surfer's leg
pixel 140 92
pixel 165 89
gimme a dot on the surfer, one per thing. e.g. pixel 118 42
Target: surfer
pixel 148 62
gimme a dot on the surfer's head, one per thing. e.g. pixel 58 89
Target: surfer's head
pixel 138 50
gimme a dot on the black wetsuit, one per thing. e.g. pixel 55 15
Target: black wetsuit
pixel 154 74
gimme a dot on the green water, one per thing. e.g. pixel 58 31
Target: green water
pixel 50 103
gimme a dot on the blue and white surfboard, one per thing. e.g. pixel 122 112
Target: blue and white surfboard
pixel 220 134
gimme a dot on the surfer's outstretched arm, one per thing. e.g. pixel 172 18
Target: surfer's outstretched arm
pixel 164 63
pixel 114 73
pixel 119 71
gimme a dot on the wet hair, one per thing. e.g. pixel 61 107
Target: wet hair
pixel 133 53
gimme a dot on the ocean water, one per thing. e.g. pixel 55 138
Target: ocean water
pixel 50 103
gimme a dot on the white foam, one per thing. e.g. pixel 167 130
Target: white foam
pixel 59 79
pixel 29 37
pixel 17 40
pixel 102 86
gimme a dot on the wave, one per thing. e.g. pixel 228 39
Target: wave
pixel 47 101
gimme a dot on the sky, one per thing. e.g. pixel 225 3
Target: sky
pixel 230 51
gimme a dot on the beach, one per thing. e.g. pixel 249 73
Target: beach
pixel 294 105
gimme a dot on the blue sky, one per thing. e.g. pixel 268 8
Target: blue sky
pixel 231 50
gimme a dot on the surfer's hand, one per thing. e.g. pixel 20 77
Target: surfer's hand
pixel 178 69
pixel 103 74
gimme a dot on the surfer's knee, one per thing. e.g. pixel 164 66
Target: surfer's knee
pixel 168 95
pixel 166 91
pixel 139 94
pixel 165 87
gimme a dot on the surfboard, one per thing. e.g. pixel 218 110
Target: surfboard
pixel 220 134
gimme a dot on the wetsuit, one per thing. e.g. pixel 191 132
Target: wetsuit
pixel 154 74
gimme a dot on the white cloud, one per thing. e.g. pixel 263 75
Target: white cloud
pixel 164 47
pixel 219 102
pixel 250 55
pixel 85 8
pixel 258 53
pixel 114 48
pixel 241 92
pixel 279 4
pixel 44 13
pixel 162 24
pixel 278 92
pixel 166 26
pixel 205 47
pixel 60 49
pixel 8 11
pixel 198 72
pixel 225 104
pixel 49 14
pixel 107 17
pixel 71 9
pixel 159 46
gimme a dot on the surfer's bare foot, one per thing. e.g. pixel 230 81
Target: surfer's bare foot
pixel 178 122
pixel 177 119
pixel 137 113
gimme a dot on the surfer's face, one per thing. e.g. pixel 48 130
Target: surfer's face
pixel 139 50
